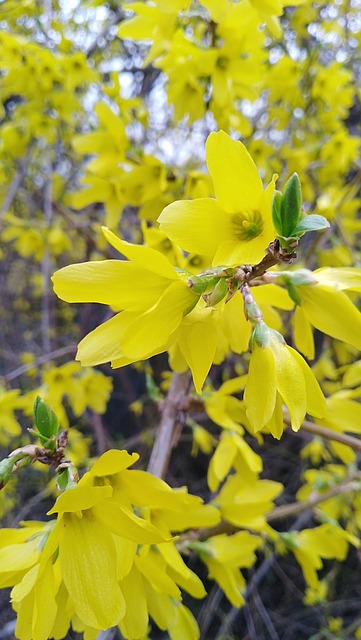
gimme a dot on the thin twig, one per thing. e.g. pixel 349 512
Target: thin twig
pixel 329 434
pixel 48 357
pixel 352 483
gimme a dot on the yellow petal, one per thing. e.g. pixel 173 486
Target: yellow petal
pixel 79 498
pixel 104 343
pixel 149 332
pixel 315 400
pixel 221 461
pixel 88 564
pixel 303 334
pixel 197 225
pixel 260 391
pixel 237 183
pixel 332 312
pixel 290 382
pixel 151 568
pixel 113 461
pixel 135 621
pixel 143 256
pixel 17 557
pixel 118 283
pixel 197 342
pixel 125 523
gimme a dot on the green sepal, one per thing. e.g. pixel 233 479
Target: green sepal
pixel 289 539
pixel 65 479
pixel 203 284
pixel 288 244
pixel 294 279
pixel 219 292
pixel 300 277
pixel 290 206
pixel 260 335
pixel 313 222
pixel 276 211
pixel 46 420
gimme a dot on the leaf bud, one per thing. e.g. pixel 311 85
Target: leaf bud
pixel 290 206
pixel 45 419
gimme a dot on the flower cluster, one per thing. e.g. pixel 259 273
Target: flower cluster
pixel 99 564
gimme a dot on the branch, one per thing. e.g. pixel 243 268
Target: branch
pixel 317 430
pixel 351 483
pixel 58 353
pixel 172 417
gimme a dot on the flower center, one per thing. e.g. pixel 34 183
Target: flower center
pixel 247 225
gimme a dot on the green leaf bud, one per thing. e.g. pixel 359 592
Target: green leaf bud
pixel 45 419
pixel 290 206
pixel 276 212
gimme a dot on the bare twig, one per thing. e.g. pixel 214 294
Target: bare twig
pixel 317 430
pixel 48 357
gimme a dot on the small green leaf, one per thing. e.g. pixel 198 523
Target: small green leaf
pixel 291 203
pixel 276 211
pixel 45 418
pixel 313 222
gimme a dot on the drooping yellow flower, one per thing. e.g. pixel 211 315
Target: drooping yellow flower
pixel 224 555
pixel 279 373
pixel 152 296
pixel 158 311
pixel 310 546
pixel 325 305
pixel 236 226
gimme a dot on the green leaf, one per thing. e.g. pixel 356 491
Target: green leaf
pixel 276 211
pixel 45 418
pixel 291 203
pixel 312 222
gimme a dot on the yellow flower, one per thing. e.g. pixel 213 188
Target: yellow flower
pixel 223 556
pixel 244 501
pixel 278 372
pixel 311 545
pixel 318 299
pixel 152 296
pixel 232 451
pixel 236 227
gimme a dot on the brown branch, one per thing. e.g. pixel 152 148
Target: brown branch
pixel 172 418
pixel 295 508
pixel 343 438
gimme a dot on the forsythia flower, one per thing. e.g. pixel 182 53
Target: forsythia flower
pixel 223 556
pixel 279 373
pixel 236 227
pixel 152 296
pixel 99 564
pixel 318 298
pixel 311 545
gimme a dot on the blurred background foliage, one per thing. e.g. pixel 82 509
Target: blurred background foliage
pixel 105 108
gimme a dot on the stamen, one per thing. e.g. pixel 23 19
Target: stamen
pixel 248 225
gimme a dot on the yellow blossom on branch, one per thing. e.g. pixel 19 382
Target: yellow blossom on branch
pixel 279 372
pixel 236 226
